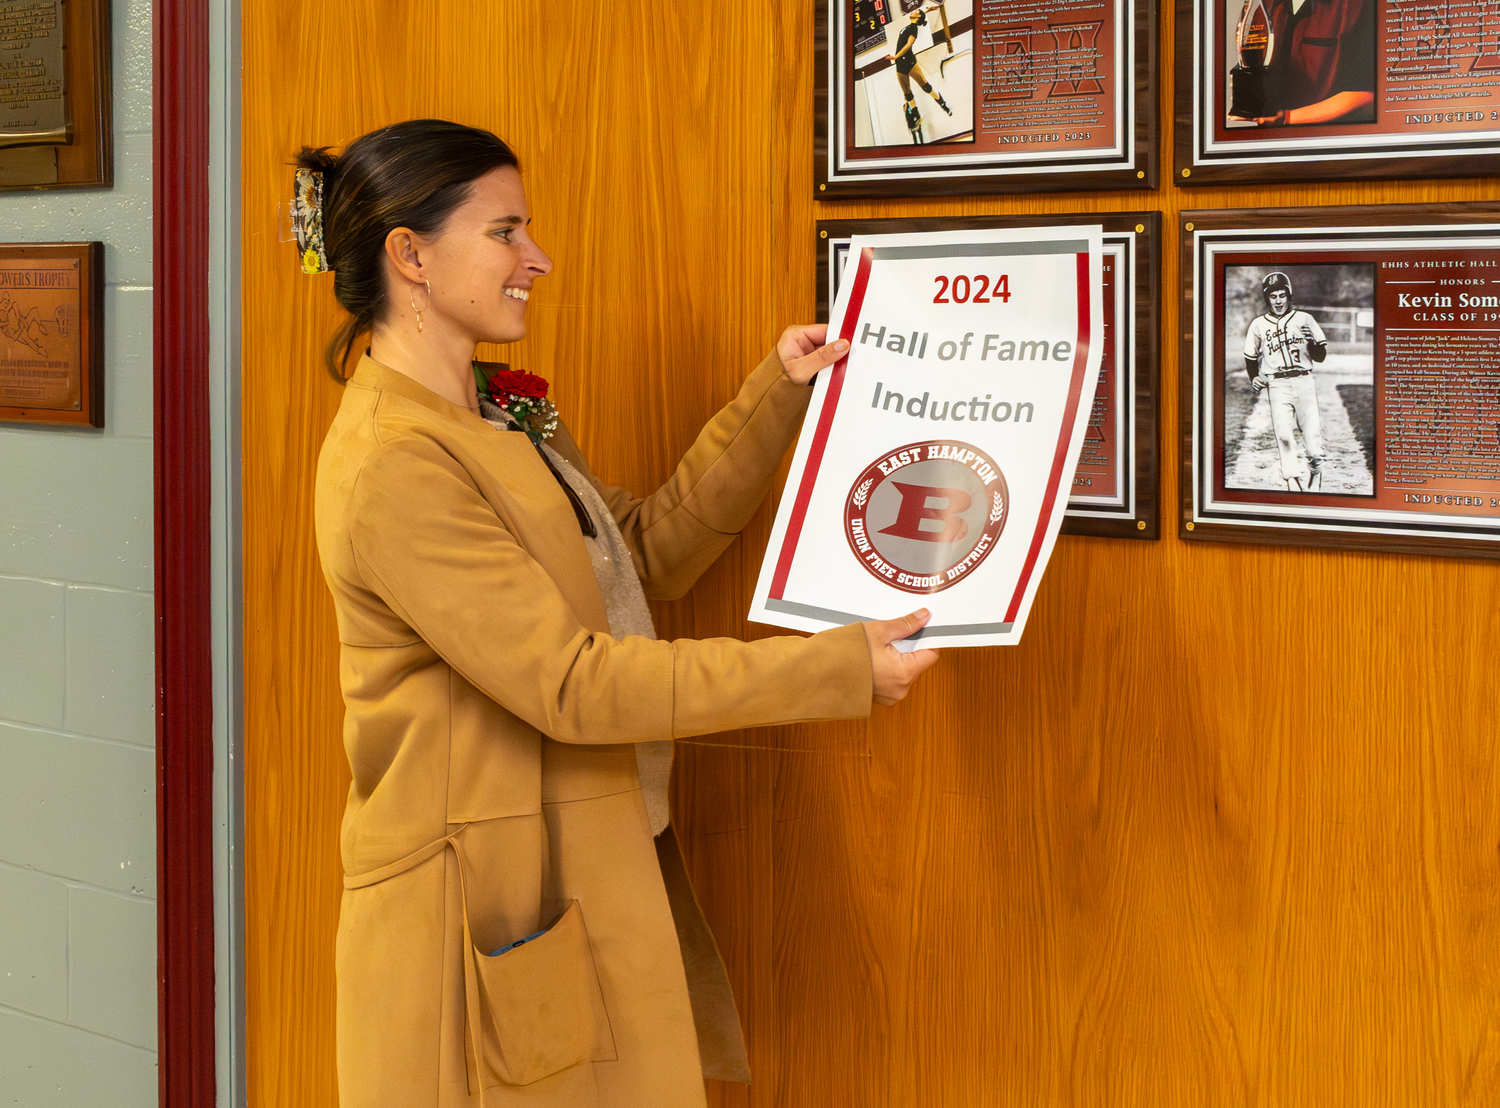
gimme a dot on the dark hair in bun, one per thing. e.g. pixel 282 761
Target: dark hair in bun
pixel 411 174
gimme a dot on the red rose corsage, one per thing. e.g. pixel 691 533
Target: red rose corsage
pixel 524 396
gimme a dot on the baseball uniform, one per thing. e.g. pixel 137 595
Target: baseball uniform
pixel 1279 345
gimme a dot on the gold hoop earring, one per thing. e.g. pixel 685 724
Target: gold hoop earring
pixel 424 307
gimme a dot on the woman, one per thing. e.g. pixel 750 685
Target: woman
pixel 485 585
pixel 908 67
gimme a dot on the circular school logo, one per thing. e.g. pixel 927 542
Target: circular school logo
pixel 925 515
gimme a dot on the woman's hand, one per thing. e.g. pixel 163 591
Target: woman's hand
pixel 893 672
pixel 802 352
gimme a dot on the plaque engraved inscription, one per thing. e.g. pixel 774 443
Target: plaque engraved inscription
pixel 39 350
pixel 51 303
pixel 33 100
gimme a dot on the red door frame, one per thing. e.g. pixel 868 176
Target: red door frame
pixel 184 670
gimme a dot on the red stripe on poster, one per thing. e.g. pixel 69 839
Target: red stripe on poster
pixel 825 421
pixel 1080 362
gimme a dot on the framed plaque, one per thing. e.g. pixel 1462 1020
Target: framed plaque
pixel 52 333
pixel 56 108
pixel 943 97
pixel 1341 377
pixel 1114 488
pixel 1282 90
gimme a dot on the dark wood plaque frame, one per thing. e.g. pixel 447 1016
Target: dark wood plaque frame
pixel 1394 218
pixel 89 160
pixel 90 258
pixel 1146 344
pixel 1045 176
pixel 1187 170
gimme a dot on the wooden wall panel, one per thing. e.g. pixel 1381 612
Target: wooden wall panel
pixel 1222 830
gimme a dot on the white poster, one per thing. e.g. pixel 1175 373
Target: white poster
pixel 933 466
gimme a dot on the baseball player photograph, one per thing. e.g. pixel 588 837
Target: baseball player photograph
pixel 1299 378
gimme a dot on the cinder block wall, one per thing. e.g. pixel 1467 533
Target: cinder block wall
pixel 77 794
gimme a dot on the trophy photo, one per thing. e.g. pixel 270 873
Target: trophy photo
pixel 1247 81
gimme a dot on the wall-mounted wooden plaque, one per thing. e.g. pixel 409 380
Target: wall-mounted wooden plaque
pixel 1114 491
pixel 55 97
pixel 918 98
pixel 1312 90
pixel 52 333
pixel 1340 377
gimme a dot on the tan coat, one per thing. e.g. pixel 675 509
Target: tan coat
pixel 487 716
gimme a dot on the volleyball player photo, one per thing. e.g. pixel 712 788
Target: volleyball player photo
pixel 913 72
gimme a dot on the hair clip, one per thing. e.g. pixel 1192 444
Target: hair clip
pixel 307 221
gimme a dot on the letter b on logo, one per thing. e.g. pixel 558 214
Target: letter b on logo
pixel 917 508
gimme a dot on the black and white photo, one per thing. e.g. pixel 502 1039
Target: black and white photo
pixel 1299 368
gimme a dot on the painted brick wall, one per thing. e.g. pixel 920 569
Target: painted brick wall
pixel 77 794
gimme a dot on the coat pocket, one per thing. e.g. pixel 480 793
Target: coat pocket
pixel 540 1006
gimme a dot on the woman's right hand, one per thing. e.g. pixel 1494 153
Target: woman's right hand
pixel 892 671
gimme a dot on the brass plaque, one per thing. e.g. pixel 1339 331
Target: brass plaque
pixel 39 364
pixel 51 299
pixel 33 104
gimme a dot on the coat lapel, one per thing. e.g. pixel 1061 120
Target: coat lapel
pixel 511 476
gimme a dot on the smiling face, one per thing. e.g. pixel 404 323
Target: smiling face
pixel 1279 300
pixel 483 263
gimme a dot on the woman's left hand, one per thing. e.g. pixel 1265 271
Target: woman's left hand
pixel 802 351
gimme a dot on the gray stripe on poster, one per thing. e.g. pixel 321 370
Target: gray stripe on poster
pixel 981 249
pixel 931 632
pixel 828 615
